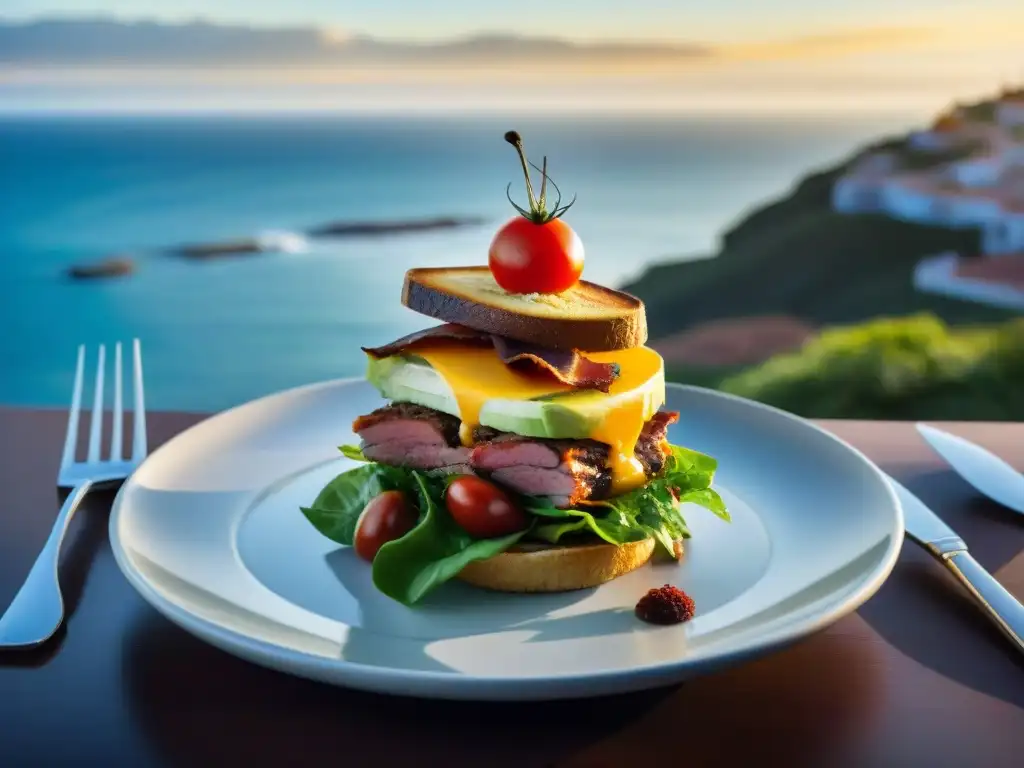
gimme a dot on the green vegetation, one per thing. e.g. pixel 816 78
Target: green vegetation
pixel 904 368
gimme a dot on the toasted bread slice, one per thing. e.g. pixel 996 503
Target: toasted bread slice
pixel 587 317
pixel 546 568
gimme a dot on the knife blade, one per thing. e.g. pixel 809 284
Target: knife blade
pixel 988 473
pixel 943 543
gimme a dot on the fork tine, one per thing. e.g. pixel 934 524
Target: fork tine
pixel 71 436
pixel 139 403
pixel 116 451
pixel 96 422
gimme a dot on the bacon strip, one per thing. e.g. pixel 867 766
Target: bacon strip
pixel 570 368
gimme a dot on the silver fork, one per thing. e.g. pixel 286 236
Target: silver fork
pixel 37 611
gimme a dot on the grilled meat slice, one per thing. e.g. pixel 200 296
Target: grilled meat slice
pixel 407 435
pixel 565 471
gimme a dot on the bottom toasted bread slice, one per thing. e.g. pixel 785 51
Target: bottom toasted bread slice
pixel 559 569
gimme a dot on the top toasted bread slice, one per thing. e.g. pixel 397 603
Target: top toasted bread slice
pixel 587 317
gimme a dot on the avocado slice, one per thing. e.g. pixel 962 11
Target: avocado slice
pixel 573 415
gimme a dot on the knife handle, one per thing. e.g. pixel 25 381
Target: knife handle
pixel 1000 606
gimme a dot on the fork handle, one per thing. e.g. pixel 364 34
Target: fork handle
pixel 37 611
pixel 999 605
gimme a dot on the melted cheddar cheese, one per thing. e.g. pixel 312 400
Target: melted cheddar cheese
pixel 621 427
pixel 477 375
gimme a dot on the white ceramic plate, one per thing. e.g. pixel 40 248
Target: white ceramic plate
pixel 209 531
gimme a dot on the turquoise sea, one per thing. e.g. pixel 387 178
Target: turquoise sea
pixel 79 188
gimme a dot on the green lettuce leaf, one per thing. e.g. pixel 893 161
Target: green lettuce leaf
pixel 433 552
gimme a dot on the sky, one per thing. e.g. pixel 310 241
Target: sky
pixel 726 21
pixel 778 53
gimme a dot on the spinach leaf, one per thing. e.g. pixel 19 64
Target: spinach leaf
pixel 707 498
pixel 433 552
pixel 353 452
pixel 337 507
pixel 553 532
pixel 613 528
pixel 652 510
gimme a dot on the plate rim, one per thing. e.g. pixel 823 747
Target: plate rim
pixel 450 685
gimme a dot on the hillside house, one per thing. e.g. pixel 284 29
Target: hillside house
pixel 977 171
pixel 1004 235
pixel 931 199
pixel 861 189
pixel 996 282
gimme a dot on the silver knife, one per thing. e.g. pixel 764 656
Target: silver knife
pixel 988 473
pixel 927 529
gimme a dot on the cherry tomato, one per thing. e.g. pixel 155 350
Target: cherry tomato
pixel 385 518
pixel 482 509
pixel 536 258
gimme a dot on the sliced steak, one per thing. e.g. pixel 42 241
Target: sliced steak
pixel 565 471
pixel 407 435
pixel 401 420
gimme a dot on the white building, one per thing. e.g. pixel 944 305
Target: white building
pixel 906 201
pixel 860 190
pixel 1004 235
pixel 978 171
pixel 940 275
pixel 852 194
pixel 916 201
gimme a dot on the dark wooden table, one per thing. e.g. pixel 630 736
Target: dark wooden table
pixel 916 677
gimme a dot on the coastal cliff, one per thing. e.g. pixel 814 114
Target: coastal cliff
pixel 816 312
pixel 795 256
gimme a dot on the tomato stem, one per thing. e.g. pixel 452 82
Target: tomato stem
pixel 543 184
pixel 538 212
pixel 513 138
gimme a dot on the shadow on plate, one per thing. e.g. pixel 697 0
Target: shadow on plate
pixel 945 626
pixel 87 534
pixel 197 705
pixel 388 630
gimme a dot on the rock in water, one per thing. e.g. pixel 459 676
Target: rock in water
pixel 118 266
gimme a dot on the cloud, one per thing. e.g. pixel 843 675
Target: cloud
pixel 836 43
pixel 105 43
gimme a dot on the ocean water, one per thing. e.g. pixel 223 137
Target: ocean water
pixel 215 334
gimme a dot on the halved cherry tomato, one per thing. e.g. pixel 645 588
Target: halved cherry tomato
pixel 536 258
pixel 385 518
pixel 482 509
